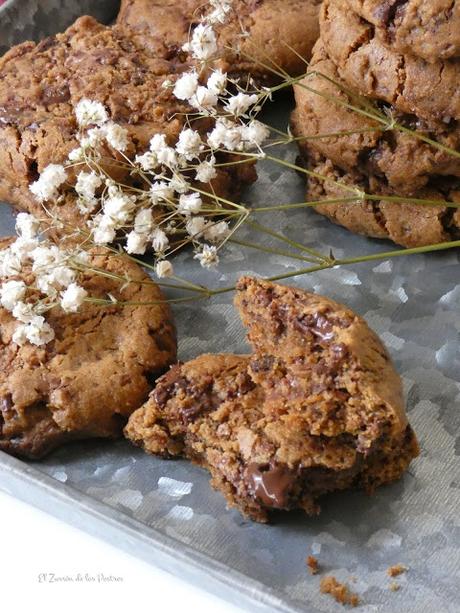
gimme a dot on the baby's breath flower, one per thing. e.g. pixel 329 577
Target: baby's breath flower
pixel 178 184
pixel 27 226
pixel 93 138
pixel 10 263
pixel 206 171
pixel 89 112
pixel 76 155
pixel 119 207
pixel 11 292
pixel 116 136
pixel 217 82
pixel 86 186
pixel 46 187
pixel 164 269
pixel 22 248
pixel 220 12
pixel 216 232
pixel 239 104
pixel 226 134
pixel 104 231
pixel 148 161
pixel 23 312
pixel 190 203
pixel 203 43
pixel 136 242
pixel 189 144
pixel 143 222
pixel 207 257
pixel 160 241
pixel 72 298
pixel 161 191
pixel 45 256
pixel 256 133
pixel 203 99
pixel 195 227
pixel 186 85
pixel 38 332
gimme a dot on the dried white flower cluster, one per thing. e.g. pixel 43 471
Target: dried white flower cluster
pixel 177 201
pixel 52 280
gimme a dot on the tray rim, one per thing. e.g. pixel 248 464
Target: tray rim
pixel 80 510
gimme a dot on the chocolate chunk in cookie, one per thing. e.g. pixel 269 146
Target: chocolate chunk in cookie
pixel 257 38
pixel 427 28
pixel 99 368
pixel 412 85
pixel 317 407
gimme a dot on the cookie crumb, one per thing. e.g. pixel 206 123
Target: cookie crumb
pixel 394 587
pixel 313 565
pixel 396 570
pixel 339 591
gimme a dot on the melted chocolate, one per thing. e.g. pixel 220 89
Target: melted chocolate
pixel 271 484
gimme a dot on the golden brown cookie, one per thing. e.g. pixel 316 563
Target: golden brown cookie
pixel 317 407
pixel 412 85
pixel 406 223
pixel 40 85
pixel 326 105
pixel 277 33
pixel 427 28
pixel 99 368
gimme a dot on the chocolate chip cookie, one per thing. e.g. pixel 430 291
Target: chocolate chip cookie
pixel 99 368
pixel 327 105
pixel 259 36
pixel 427 28
pixel 412 85
pixel 40 85
pixel 317 407
pixel 406 223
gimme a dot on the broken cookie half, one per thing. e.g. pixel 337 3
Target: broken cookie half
pixel 317 407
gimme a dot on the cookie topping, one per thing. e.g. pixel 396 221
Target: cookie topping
pixel 270 483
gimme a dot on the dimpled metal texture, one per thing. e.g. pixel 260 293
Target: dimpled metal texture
pixel 166 512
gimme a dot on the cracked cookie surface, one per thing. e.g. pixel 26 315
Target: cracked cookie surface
pixel 427 28
pixel 40 85
pixel 412 85
pixel 406 223
pixel 277 33
pixel 317 407
pixel 99 368
pixel 326 105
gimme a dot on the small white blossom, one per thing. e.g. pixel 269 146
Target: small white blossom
pixel 119 207
pixel 23 312
pixel 208 257
pixel 90 112
pixel 164 269
pixel 46 187
pixel 239 104
pixel 255 133
pixel 143 222
pixel 20 335
pixel 72 298
pixel 104 230
pixel 203 99
pixel 22 248
pixel 77 155
pixel 206 171
pixel 148 161
pixel 217 82
pixel 161 191
pixel 10 263
pixel 220 12
pixel 93 138
pixel 116 136
pixel 165 154
pixel 39 332
pixel 203 43
pixel 226 134
pixel 11 293
pixel 189 144
pixel 136 243
pixel 160 241
pixel 86 186
pixel 186 86
pixel 61 276
pixel 27 226
pixel 195 227
pixel 45 257
pixel 216 232
pixel 179 184
pixel 190 203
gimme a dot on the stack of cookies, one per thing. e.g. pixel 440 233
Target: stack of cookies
pixel 384 82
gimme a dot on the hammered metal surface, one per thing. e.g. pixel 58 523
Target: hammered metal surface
pixel 413 303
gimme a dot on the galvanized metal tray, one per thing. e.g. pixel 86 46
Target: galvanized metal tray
pixel 166 513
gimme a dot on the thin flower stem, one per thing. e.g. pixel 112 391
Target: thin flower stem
pixel 271 250
pixel 262 228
